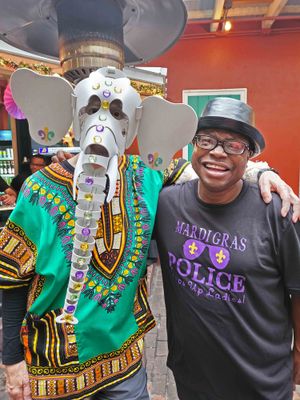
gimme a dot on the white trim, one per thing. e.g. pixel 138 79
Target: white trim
pixel 210 92
pixel 156 76
pixel 185 152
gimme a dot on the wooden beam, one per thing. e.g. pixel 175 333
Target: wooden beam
pixel 274 9
pixel 217 14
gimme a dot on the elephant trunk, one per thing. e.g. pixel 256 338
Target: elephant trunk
pixel 97 164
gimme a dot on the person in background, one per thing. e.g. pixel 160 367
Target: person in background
pixel 8 195
pixel 36 163
pixel 231 270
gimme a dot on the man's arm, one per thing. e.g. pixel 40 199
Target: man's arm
pixel 271 182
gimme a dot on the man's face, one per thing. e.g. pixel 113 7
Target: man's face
pixel 36 164
pixel 218 171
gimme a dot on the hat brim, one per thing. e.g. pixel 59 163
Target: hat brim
pixel 149 28
pixel 251 133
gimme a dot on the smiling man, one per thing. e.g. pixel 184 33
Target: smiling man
pixel 231 270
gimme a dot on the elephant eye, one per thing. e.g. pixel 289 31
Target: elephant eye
pixel 116 111
pixel 93 105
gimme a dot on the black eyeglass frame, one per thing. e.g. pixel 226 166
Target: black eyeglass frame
pixel 221 143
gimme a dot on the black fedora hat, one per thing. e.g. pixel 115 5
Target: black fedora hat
pixel 232 115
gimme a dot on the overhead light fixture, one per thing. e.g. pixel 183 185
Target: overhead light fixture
pixel 226 24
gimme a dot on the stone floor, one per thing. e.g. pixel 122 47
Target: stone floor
pixel 160 378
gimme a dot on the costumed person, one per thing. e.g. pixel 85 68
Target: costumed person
pixel 231 270
pixel 36 162
pixel 76 244
pixel 68 287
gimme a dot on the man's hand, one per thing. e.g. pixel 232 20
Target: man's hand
pixel 8 200
pixel 271 182
pixel 9 197
pixel 296 358
pixel 17 382
pixel 296 396
pixel 61 156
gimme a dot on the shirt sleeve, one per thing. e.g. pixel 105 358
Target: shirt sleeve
pixel 174 171
pixel 17 251
pixel 17 182
pixel 289 257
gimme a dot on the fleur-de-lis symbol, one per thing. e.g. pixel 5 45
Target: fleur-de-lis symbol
pixel 46 135
pixel 192 248
pixel 154 159
pixel 220 256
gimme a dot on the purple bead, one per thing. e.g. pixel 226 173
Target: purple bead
pixel 86 231
pixel 70 309
pixel 106 93
pixel 79 275
pixel 89 180
pixel 99 128
pixel 150 158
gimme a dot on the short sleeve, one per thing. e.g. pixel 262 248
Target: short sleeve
pixel 17 252
pixel 289 257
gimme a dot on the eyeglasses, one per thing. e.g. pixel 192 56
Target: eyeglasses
pixel 230 146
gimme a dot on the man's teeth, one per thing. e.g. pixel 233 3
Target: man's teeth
pixel 219 167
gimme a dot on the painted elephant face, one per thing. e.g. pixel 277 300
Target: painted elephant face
pixel 106 108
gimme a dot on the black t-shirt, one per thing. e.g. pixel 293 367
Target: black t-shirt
pixel 18 181
pixel 228 271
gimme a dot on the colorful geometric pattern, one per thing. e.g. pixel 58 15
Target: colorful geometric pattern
pixel 18 254
pixel 124 235
pixel 56 199
pixel 59 375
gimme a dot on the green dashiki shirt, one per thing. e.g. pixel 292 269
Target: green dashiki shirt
pixel 73 361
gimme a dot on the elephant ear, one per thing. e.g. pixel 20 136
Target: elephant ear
pixel 164 128
pixel 46 102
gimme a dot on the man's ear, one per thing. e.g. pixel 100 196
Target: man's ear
pixel 164 128
pixel 46 102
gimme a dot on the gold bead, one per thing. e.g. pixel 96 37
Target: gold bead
pixel 105 105
pixel 88 196
pixel 84 246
